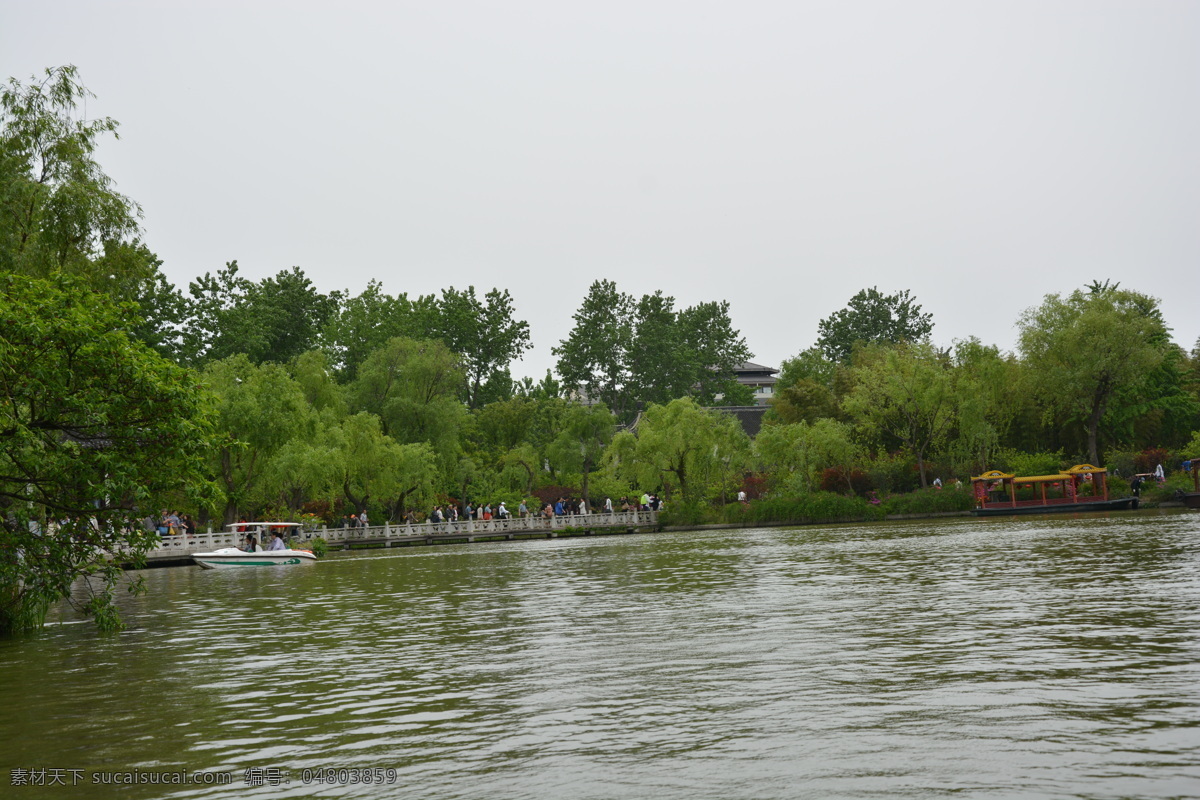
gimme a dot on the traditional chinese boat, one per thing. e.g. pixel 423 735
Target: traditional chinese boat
pixel 996 493
pixel 236 557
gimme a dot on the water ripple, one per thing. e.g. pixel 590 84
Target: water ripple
pixel 988 658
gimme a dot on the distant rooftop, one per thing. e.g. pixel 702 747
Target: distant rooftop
pixel 750 366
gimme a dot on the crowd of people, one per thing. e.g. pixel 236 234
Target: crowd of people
pixel 483 512
pixel 170 523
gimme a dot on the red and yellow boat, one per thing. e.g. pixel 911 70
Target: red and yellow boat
pixel 996 493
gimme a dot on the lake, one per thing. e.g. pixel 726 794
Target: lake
pixel 1008 658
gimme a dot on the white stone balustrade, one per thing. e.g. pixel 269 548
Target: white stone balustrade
pixel 181 546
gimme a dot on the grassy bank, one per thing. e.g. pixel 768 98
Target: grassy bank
pixel 820 507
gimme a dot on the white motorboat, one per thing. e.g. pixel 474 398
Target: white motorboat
pixel 236 557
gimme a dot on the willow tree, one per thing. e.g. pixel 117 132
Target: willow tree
pixel 61 213
pixel 906 391
pixel 681 446
pixel 259 409
pixel 1085 349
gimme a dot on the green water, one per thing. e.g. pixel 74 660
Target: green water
pixel 1047 658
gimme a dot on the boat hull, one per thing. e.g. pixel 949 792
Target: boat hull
pixel 1000 510
pixel 1192 499
pixel 232 557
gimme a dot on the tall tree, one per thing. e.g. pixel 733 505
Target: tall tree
pixel 593 359
pixel 906 391
pixel 484 333
pixel 260 408
pixel 872 317
pixel 60 212
pixel 990 393
pixel 363 323
pixel 586 432
pixel 96 430
pixel 716 350
pixel 794 455
pixel 412 386
pixel 681 447
pixel 273 320
pixel 59 208
pixel 628 354
pixel 1084 350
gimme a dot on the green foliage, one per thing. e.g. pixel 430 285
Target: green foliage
pixel 1087 351
pixel 930 501
pixel 625 353
pixel 364 323
pixel 894 473
pixel 1029 464
pixel 413 385
pixel 319 547
pixel 59 211
pixel 907 392
pixel 989 394
pixel 1154 492
pixel 682 448
pixel 812 508
pixel 259 409
pixel 594 358
pixel 485 335
pixel 794 455
pixel 95 430
pixel 587 430
pixel 276 319
pixel 803 401
pixel 872 318
pixel 807 365
pixel 58 208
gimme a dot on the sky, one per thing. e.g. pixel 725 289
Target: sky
pixel 778 155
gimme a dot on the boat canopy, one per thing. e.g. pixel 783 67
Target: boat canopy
pixel 1043 478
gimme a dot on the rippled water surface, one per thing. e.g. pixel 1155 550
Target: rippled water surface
pixel 981 658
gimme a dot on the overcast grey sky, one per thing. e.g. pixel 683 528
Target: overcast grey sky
pixel 780 155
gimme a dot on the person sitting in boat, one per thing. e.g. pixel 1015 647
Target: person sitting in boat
pixel 277 542
pixel 251 544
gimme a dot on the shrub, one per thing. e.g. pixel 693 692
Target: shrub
pixel 838 480
pixel 930 501
pixel 687 514
pixel 1148 459
pixel 1154 493
pixel 1121 461
pixel 894 473
pixel 1025 464
pixel 816 507
pixel 319 508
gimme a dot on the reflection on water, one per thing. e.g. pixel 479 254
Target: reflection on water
pixel 999 657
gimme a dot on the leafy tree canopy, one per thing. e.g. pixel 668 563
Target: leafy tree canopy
pixel 1087 349
pixel 273 320
pixel 625 353
pixel 96 431
pixel 60 212
pixel 872 317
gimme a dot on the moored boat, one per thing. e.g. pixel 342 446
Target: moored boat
pixel 236 557
pixel 996 493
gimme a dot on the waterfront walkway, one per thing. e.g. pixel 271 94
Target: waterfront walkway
pixel 179 549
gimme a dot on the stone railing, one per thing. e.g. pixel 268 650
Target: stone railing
pixel 180 546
